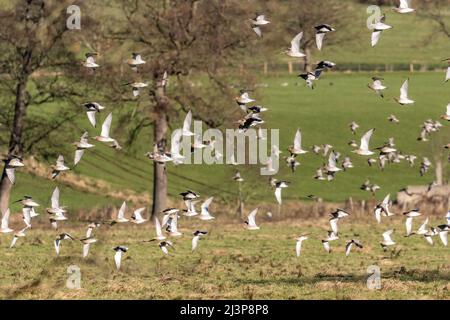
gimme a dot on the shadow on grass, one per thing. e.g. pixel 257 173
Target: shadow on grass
pixel 400 275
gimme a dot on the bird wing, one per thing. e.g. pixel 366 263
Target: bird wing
pixel 137 213
pixel 443 235
pixel 408 224
pixel 13 242
pixel 158 227
pixel 326 245
pixel 334 225
pixel 423 226
pixel 448 110
pixel 447 74
pixel 375 37
pixel 404 90
pixel 429 239
pixel 205 206
pixel 60 160
pixel 187 122
pixel 386 200
pixel 118 258
pixel 5 219
pixel 257 30
pixel 55 198
pixel 298 248
pixel 78 154
pixel 387 235
pixel 366 139
pixel 57 246
pixel 332 160
pixel 121 213
pixel 91 117
pixel 378 215
pixel 26 216
pixel 278 195
pixel 89 232
pixel 404 4
pixel 11 174
pixel 195 242
pixel 85 250
pixel 348 247
pixel 175 142
pixel 251 218
pixel 319 40
pixel 295 43
pixel 106 126
pixel 298 140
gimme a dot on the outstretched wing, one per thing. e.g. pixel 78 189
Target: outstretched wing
pixel 91 117
pixel 106 126
pixel 375 37
pixel 366 139
pixel 319 40
pixel 404 90
pixel 295 43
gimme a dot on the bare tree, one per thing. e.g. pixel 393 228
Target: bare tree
pixel 192 41
pixel 33 53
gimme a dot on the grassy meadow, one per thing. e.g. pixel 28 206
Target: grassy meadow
pixel 229 263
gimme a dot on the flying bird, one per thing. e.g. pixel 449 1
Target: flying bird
pixel 106 127
pixel 404 99
pixel 257 22
pixel 446 116
pixel 349 245
pixel 11 165
pixel 297 147
pixel 118 255
pixel 387 240
pixel 377 28
pixel 364 146
pixel 197 235
pixel 251 222
pixel 59 167
pixel 204 213
pixel 92 108
pixel 136 217
pixel 59 238
pixel 321 31
pixel 404 7
pixel 298 244
pixel 135 61
pixel 90 61
pixel 377 86
pixel 81 146
pixel 4 228
pixel 294 50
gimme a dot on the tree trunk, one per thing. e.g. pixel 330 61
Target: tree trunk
pixel 15 142
pixel 160 170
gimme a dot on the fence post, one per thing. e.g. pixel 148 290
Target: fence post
pixel 265 67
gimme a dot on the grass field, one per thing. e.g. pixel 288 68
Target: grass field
pixel 230 263
pixel 323 114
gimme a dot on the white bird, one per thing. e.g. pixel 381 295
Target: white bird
pixel 136 87
pixel 297 148
pixel 135 61
pixel 121 214
pixel 251 222
pixel 59 238
pixel 392 118
pixel 197 235
pixel 93 108
pixel 5 222
pixel 446 116
pixel 298 244
pixel 163 245
pixel 443 233
pixel 378 27
pixel 349 245
pixel 187 125
pixel 404 99
pixel 17 235
pixel 159 235
pixel 387 240
pixel 11 165
pixel 409 220
pixel 118 255
pixel 172 226
pixel 423 228
pixel 175 147
pixel 205 214
pixel 321 30
pixel 243 99
pixel 294 50
pixel 81 146
pixel 447 73
pixel 59 167
pixel 86 245
pixel 404 7
pixel 383 209
pixel 377 86
pixel 90 61
pixel 106 127
pixel 136 217
pixel 364 145
pixel 335 216
pixel 278 185
pixel 257 22
pixel 332 166
pixel 331 236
